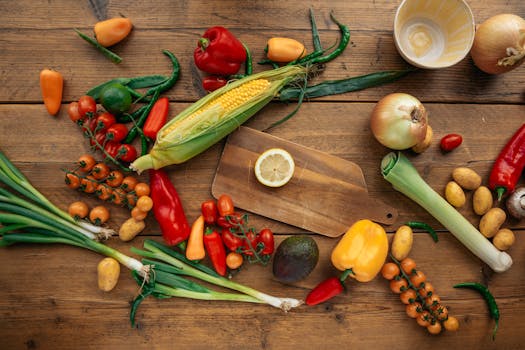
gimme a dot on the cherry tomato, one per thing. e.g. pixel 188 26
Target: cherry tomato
pixel 118 196
pixel 99 215
pixel 129 183
pixel 86 162
pixel 433 301
pixel 111 148
pixel 398 285
pixel 127 153
pixel 225 205
pixel 408 296
pixel 424 318
pixel 72 180
pixel 427 290
pixel 234 260
pixel 144 203
pixel 417 279
pixel 78 210
pixel 249 244
pixel 408 265
pixel 450 142
pixel 230 221
pixel 434 328
pixel 104 192
pixel 104 121
pixel 142 189
pixel 266 237
pixel 442 312
pixel 413 309
pixel 389 271
pixel 100 138
pixel 231 241
pixel 213 82
pixel 451 324
pixel 100 171
pixel 87 106
pixel 117 132
pixel 72 112
pixel 209 211
pixel 131 199
pixel 88 184
pixel 138 214
pixel 115 178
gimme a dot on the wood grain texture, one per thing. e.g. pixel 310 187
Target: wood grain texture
pixel 48 293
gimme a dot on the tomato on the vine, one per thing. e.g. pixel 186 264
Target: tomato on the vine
pixel 112 147
pixel 230 240
pixel 225 205
pixel 87 106
pixel 104 121
pixel 266 238
pixel 249 244
pixel 127 153
pixel 230 221
pixel 73 112
pixel 117 132
pixel 209 211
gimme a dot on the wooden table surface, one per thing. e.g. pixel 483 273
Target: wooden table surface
pixel 48 293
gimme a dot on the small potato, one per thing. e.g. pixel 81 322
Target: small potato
pixel 425 144
pixel 482 200
pixel 504 239
pixel 491 222
pixel 402 242
pixel 108 270
pixel 454 194
pixel 467 178
pixel 130 229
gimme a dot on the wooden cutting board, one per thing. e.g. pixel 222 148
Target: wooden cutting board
pixel 325 195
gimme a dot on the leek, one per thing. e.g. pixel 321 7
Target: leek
pixel 400 172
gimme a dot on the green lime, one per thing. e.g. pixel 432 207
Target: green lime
pixel 115 99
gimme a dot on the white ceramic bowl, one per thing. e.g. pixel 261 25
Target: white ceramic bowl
pixel 433 33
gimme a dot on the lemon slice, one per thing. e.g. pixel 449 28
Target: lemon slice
pixel 274 167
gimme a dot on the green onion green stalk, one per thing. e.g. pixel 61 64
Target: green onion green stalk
pixel 399 171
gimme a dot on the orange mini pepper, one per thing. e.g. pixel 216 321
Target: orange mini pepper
pixel 112 31
pixel 195 248
pixel 284 50
pixel 51 85
pixel 363 249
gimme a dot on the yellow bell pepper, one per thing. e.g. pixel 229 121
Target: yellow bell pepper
pixel 363 249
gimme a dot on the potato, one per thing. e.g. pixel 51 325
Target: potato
pixel 108 270
pixel 482 200
pixel 504 239
pixel 402 242
pixel 130 229
pixel 467 178
pixel 491 222
pixel 425 144
pixel 454 194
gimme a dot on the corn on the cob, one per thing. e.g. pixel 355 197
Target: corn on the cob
pixel 215 116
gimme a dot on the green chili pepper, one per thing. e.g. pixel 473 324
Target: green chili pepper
pixel 146 81
pixel 345 39
pixel 109 54
pixel 334 87
pixel 143 144
pixel 423 226
pixel 167 84
pixel 489 298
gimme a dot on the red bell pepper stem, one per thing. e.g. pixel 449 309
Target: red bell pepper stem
pixel 167 208
pixel 157 118
pixel 324 291
pixel 509 165
pixel 216 251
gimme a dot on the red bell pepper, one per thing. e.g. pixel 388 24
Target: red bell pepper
pixel 324 291
pixel 219 52
pixel 216 252
pixel 167 208
pixel 157 117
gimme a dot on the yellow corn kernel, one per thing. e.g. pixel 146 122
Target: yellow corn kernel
pixel 226 102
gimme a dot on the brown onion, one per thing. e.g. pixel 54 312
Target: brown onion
pixel 399 121
pixel 499 44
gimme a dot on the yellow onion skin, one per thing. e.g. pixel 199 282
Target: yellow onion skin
pixel 493 38
pixel 399 121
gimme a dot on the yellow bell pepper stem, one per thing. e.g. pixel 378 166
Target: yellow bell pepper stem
pixel 363 249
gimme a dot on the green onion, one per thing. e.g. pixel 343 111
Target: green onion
pixel 400 172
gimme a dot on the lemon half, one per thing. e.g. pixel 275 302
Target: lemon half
pixel 274 167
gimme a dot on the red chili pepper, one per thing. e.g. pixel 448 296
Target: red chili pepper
pixel 167 208
pixel 508 167
pixel 450 142
pixel 324 291
pixel 157 118
pixel 213 82
pixel 209 211
pixel 230 240
pixel 216 252
pixel 219 52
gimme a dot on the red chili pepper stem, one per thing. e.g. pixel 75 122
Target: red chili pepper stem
pixel 500 192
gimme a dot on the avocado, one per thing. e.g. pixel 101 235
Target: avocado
pixel 295 258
